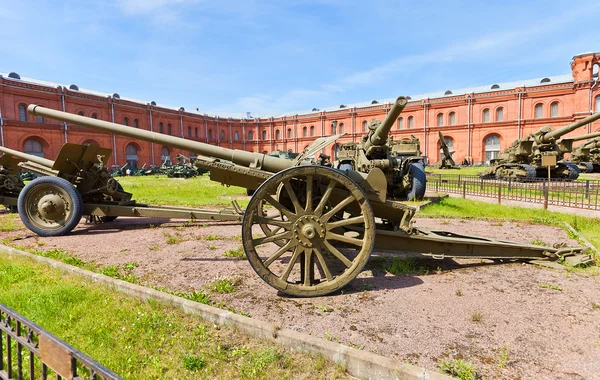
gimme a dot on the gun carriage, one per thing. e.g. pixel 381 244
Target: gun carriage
pixel 308 229
pixel 523 159
pixel 587 155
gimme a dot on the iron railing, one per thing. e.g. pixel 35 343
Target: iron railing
pixel 583 194
pixel 29 352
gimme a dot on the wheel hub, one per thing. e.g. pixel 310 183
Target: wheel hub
pixel 51 207
pixel 308 229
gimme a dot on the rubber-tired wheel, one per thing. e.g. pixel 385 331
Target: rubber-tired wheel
pixel 50 206
pixel 418 180
pixel 325 233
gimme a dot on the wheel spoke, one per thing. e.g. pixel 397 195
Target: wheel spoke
pixel 292 262
pixel 337 208
pixel 324 266
pixel 319 210
pixel 345 222
pixel 309 193
pixel 337 254
pixel 272 238
pixel 281 208
pixel 344 239
pixel 293 197
pixel 279 252
pixel 273 222
pixel 308 267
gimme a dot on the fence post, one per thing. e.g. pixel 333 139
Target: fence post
pixel 499 193
pixel 437 185
pixel 464 190
pixel 481 184
pixel 545 191
pixel 587 189
pixel 459 181
pixel 509 183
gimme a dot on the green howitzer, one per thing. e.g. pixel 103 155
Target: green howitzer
pixel 587 155
pixel 446 161
pixel 11 182
pixel 308 230
pixel 523 159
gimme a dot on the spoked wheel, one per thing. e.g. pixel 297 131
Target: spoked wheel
pixel 300 245
pixel 50 206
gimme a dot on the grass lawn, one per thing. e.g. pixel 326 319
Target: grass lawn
pixel 195 192
pixel 458 207
pixel 144 340
pixel 469 170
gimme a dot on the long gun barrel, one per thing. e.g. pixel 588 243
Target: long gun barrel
pixel 569 128
pixel 379 136
pixel 30 157
pixel 585 137
pixel 240 157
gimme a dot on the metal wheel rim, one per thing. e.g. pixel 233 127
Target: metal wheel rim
pixel 308 270
pixel 36 216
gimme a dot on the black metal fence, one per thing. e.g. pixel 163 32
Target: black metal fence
pixel 29 352
pixel 579 194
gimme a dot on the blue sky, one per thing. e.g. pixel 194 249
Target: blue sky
pixel 274 57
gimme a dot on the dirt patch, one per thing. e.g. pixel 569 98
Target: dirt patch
pixel 510 320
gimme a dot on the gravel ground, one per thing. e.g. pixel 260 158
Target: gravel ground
pixel 511 320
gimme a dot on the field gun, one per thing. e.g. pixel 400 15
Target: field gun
pixel 11 182
pixel 77 184
pixel 308 230
pixel 523 159
pixel 446 161
pixel 587 155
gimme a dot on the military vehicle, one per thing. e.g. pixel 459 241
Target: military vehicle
pixel 120 171
pixel 587 155
pixel 11 182
pixel 523 159
pixel 401 162
pixel 79 184
pixel 446 161
pixel 308 229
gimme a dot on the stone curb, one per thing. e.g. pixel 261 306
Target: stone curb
pixel 357 363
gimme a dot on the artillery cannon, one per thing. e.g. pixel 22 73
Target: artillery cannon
pixel 11 182
pixel 79 184
pixel 587 155
pixel 446 161
pixel 523 159
pixel 401 162
pixel 309 230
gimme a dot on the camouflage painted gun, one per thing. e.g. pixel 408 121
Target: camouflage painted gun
pixel 309 230
pixel 587 155
pixel 523 159
pixel 446 161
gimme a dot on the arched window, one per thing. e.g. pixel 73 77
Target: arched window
pixel 136 123
pixel 126 121
pixel 33 147
pixel 334 128
pixel 196 132
pixel 499 114
pixel 440 119
pixel 169 128
pixel 452 118
pixel 222 135
pixel 400 123
pixel 264 134
pixel 365 128
pixel 341 129
pixel 277 134
pixel 492 148
pixel 449 143
pixel 131 155
pixel 160 127
pixel 539 111
pixel 236 135
pixel 411 122
pixel 189 131
pixel 210 137
pixel 289 133
pixel 81 113
pixel 554 109
pixel 304 132
pixel 598 103
pixel 94 116
pixel 312 130
pixel 165 154
pixel 40 119
pixel 486 115
pixel 22 112
pixel 250 135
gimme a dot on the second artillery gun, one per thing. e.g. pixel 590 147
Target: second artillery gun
pixel 523 159
pixel 587 155
pixel 446 160
pixel 308 229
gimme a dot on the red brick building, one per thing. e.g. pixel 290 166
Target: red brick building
pixel 478 122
